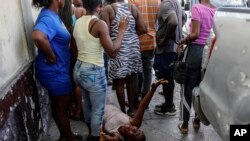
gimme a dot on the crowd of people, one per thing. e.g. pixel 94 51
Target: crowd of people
pixel 73 37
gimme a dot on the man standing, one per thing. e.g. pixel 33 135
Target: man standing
pixel 167 36
pixel 149 9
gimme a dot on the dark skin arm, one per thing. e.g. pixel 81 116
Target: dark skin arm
pixel 110 47
pixel 191 37
pixel 194 34
pixel 108 15
pixel 172 24
pixel 74 50
pixel 141 27
pixel 137 120
pixel 42 43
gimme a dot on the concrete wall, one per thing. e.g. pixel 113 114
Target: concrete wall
pixel 23 102
pixel 13 46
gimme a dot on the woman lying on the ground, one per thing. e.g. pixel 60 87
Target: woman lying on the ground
pixel 118 126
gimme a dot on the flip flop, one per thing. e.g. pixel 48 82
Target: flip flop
pixel 183 130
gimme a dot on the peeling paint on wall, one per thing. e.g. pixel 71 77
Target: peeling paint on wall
pixel 24 113
pixel 44 103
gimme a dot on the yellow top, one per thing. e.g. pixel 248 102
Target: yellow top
pixel 89 48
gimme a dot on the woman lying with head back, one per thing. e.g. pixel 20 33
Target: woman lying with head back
pixel 118 126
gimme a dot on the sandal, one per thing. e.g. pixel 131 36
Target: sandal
pixel 184 130
pixel 196 123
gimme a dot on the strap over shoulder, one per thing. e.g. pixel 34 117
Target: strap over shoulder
pixel 96 20
pixel 132 10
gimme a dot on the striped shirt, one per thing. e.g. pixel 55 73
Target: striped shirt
pixel 149 10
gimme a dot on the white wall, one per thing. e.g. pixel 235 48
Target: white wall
pixel 16 48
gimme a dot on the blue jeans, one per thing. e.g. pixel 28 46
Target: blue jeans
pixel 145 79
pixel 92 79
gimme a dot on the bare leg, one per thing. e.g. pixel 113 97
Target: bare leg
pixel 131 90
pixel 78 102
pixel 60 106
pixel 120 93
pixel 144 104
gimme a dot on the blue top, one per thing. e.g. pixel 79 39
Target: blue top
pixel 51 25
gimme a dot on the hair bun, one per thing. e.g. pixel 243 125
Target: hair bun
pixel 90 5
pixel 41 3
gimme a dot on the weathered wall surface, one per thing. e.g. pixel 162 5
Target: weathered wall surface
pixel 13 45
pixel 24 103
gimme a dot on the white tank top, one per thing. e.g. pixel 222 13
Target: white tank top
pixel 89 48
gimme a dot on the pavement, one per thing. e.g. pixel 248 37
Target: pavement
pixel 155 127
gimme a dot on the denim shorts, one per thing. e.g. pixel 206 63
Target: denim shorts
pixel 92 79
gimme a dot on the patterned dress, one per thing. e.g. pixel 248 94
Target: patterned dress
pixel 128 60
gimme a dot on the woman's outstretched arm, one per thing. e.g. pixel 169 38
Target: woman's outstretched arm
pixel 137 120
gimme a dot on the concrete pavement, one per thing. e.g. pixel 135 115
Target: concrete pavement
pixel 156 128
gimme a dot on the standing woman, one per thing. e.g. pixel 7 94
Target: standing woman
pixel 127 64
pixel 75 110
pixel 200 27
pixel 92 37
pixel 52 63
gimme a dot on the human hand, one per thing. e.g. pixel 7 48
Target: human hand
pixel 50 60
pixel 182 41
pixel 109 137
pixel 179 48
pixel 158 82
pixel 123 24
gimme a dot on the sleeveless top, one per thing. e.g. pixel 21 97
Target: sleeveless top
pixel 89 48
pixel 128 59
